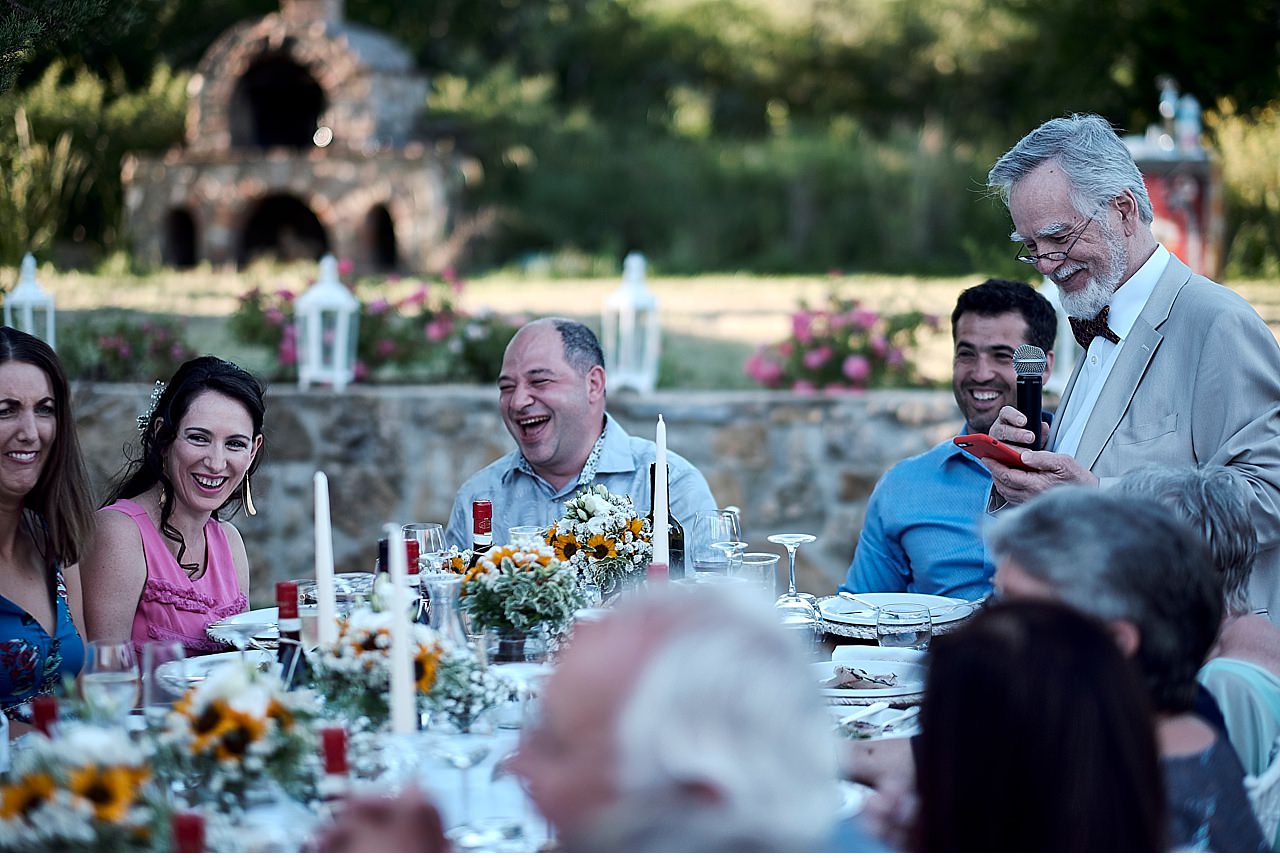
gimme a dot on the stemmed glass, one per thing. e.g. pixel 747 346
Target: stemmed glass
pixel 242 633
pixel 792 541
pixel 110 679
pixel 463 744
pixel 430 538
pixel 712 531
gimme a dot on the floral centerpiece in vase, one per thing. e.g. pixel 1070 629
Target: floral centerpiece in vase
pixel 516 591
pixel 353 673
pixel 602 539
pixel 87 790
pixel 238 732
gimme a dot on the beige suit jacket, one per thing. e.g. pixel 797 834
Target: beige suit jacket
pixel 1197 383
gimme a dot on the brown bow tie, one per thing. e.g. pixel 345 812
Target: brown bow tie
pixel 1086 329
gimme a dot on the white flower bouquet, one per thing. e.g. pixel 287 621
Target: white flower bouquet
pixel 353 674
pixel 240 729
pixel 519 588
pixel 86 790
pixel 602 538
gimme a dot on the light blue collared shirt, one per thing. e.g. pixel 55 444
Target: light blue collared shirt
pixel 923 529
pixel 520 496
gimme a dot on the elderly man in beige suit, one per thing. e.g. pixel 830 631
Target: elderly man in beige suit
pixel 1177 369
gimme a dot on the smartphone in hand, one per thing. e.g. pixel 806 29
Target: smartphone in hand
pixel 986 447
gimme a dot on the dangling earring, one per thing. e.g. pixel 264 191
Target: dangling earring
pixel 164 496
pixel 248 499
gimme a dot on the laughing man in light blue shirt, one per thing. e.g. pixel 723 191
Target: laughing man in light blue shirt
pixel 552 400
pixel 922 529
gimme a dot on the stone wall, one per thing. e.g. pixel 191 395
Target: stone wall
pixel 790 462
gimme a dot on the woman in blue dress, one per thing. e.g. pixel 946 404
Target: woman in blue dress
pixel 45 519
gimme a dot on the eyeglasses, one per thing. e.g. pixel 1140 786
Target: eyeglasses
pixel 1057 255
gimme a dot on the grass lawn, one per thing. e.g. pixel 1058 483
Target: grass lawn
pixel 710 322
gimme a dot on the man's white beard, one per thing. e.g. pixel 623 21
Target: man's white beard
pixel 1099 288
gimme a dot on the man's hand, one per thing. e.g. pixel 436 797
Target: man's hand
pixel 1046 471
pixel 1010 427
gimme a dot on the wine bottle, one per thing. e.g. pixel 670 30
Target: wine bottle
pixel 44 715
pixel 289 653
pixel 481 529
pixel 675 533
pixel 335 782
pixel 188 831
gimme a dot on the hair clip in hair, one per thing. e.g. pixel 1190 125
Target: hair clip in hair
pixel 144 419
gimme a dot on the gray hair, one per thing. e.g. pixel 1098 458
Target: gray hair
pixel 726 700
pixel 1117 559
pixel 1212 500
pixel 581 346
pixel 1094 158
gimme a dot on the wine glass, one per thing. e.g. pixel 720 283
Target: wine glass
pixel 904 624
pixel 164 679
pixel 711 530
pixel 430 538
pixel 242 632
pixel 462 744
pixel 792 541
pixel 109 681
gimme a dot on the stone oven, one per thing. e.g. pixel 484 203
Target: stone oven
pixel 303 137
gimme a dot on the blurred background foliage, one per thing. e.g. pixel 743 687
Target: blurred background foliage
pixel 765 135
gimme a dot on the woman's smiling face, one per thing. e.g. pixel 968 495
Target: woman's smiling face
pixel 214 447
pixel 28 426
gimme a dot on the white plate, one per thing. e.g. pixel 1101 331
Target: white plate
pixel 910 678
pixel 260 615
pixel 195 669
pixel 944 609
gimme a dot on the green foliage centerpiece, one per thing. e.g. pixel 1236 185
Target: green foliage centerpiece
pixel 518 590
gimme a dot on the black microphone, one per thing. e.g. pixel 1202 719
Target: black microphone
pixel 1028 363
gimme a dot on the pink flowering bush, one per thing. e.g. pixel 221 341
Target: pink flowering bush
pixel 122 348
pixel 840 348
pixel 419 335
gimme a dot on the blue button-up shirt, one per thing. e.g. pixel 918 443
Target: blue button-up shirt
pixel 922 532
pixel 522 497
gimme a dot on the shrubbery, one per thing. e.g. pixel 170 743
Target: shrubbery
pixel 410 330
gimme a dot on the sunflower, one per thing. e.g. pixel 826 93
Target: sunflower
pixel 242 730
pixel 19 799
pixel 111 790
pixel 601 547
pixel 565 546
pixel 636 526
pixel 280 713
pixel 208 725
pixel 458 564
pixel 424 667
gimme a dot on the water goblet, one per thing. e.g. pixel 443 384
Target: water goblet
pixel 711 528
pixel 904 624
pixel 430 538
pixel 164 679
pixel 463 743
pixel 109 681
pixel 792 541
pixel 799 619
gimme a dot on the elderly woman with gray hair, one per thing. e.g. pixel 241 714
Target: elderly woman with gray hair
pixel 1243 669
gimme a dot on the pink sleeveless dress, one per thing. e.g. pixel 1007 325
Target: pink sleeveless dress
pixel 173 607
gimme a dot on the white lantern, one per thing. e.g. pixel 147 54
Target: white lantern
pixel 632 336
pixel 28 307
pixel 327 316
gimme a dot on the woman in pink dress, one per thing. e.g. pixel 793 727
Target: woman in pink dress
pixel 164 564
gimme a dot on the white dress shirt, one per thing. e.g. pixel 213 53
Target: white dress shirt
pixel 1126 305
